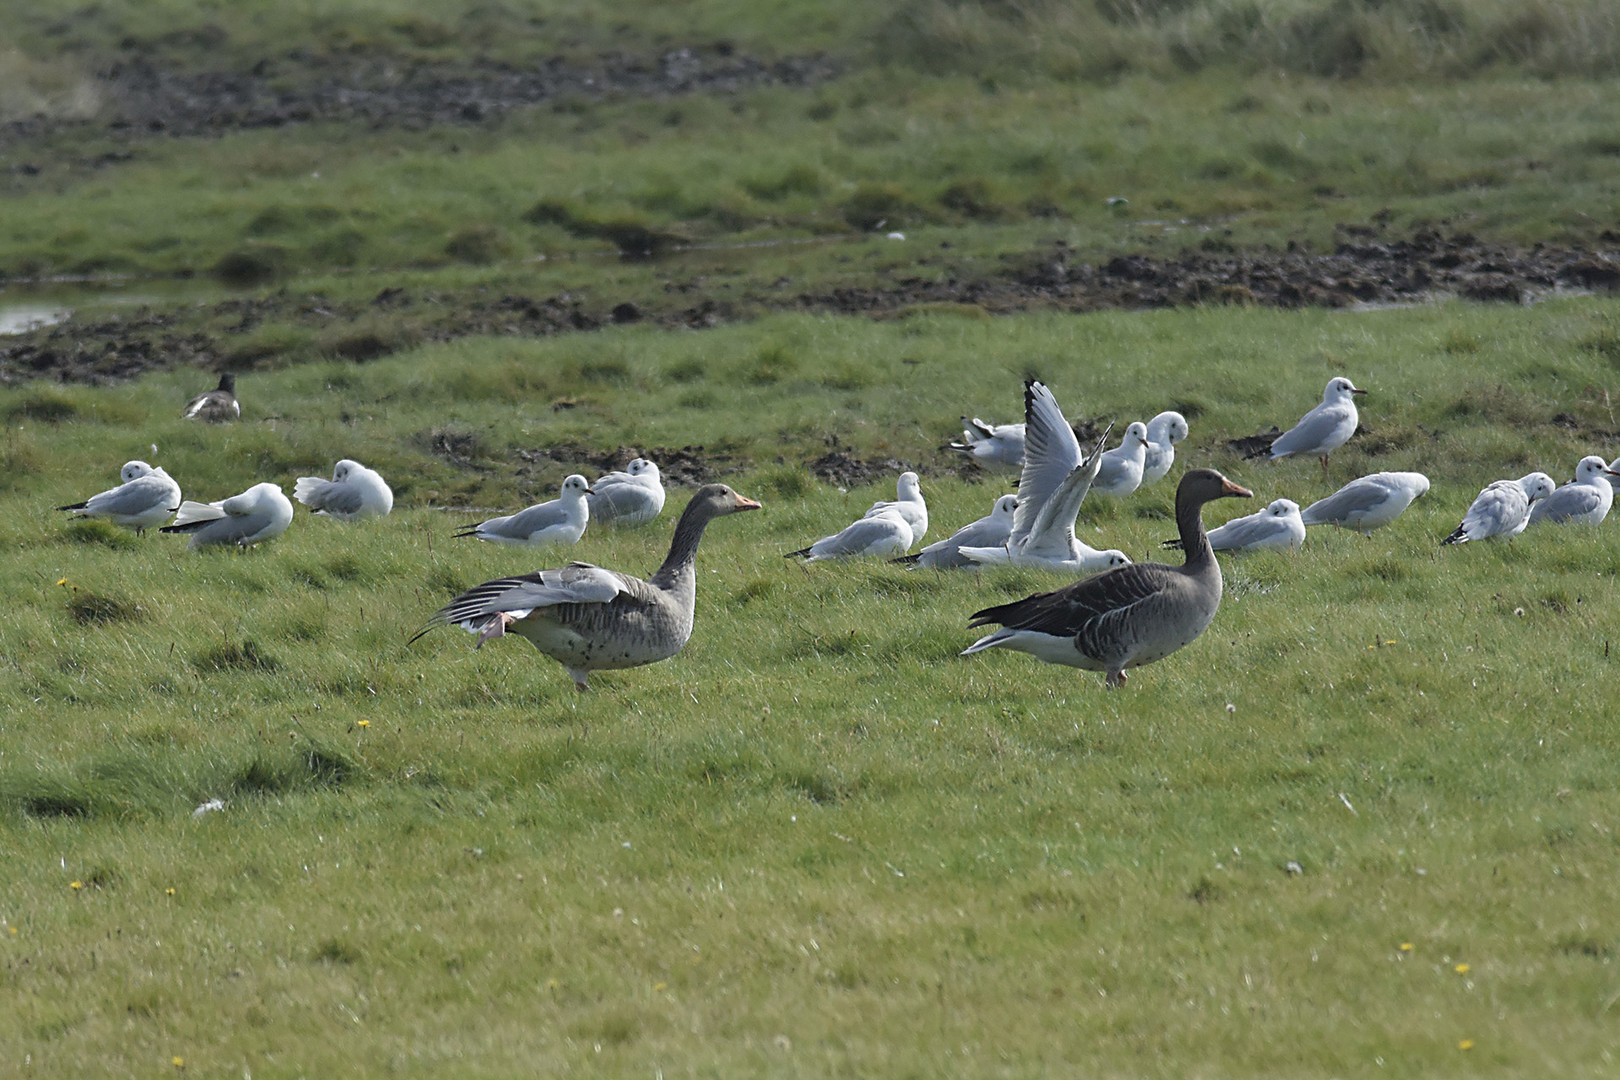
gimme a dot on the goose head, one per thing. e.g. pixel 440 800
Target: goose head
pixel 1340 389
pixel 1199 486
pixel 134 470
pixel 716 500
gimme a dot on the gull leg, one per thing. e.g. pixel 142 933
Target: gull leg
pixel 1324 467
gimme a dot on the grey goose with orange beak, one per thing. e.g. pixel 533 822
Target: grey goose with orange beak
pixel 590 619
pixel 1126 617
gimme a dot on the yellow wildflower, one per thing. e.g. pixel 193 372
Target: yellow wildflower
pixel 168 892
pixel 1461 969
pixel 1406 946
pixel 1466 1044
pixel 363 723
pixel 178 1062
pixel 75 884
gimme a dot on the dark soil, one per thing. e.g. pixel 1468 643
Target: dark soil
pixel 109 349
pixel 684 466
pixel 145 99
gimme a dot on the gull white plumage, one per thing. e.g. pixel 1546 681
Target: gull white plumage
pixel 909 504
pixel 1583 501
pixel 631 496
pixel 1369 502
pixel 991 530
pixel 1164 431
pixel 1502 509
pixel 560 521
pixel 1325 428
pixel 995 446
pixel 880 532
pixel 146 496
pixel 1278 526
pixel 1123 466
pixel 1051 487
pixel 354 492
pixel 260 513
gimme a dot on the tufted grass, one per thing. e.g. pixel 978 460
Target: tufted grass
pixel 817 842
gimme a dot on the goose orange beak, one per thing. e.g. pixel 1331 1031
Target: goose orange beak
pixel 745 503
pixel 1229 488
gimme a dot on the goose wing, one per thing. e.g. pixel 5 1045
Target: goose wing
pixel 576 583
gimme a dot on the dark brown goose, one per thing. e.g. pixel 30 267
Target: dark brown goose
pixel 216 405
pixel 590 619
pixel 1126 617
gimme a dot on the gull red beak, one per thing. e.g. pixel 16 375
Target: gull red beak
pixel 1357 390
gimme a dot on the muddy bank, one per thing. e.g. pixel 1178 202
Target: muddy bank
pixel 140 98
pixel 1361 270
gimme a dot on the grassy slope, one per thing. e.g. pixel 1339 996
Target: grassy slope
pixel 818 842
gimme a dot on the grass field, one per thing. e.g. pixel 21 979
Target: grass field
pixel 818 842
pixel 1363 827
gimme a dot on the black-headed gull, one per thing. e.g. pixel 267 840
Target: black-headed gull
pixel 909 504
pixel 354 492
pixel 883 532
pixel 991 530
pixel 1325 428
pixel 995 446
pixel 560 521
pixel 1368 502
pixel 1123 466
pixel 1126 617
pixel 590 619
pixel 147 496
pixel 260 513
pixel 1163 433
pixel 1278 526
pixel 631 496
pixel 1502 508
pixel 1583 501
pixel 1051 487
pixel 217 404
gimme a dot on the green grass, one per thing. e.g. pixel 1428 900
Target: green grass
pixel 817 842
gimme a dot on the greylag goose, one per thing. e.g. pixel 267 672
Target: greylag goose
pixel 590 619
pixel 1277 526
pixel 1121 471
pixel 261 512
pixel 883 532
pixel 1163 432
pixel 1051 487
pixel 145 497
pixel 995 446
pixel 1126 617
pixel 1325 428
pixel 1368 502
pixel 991 530
pixel 909 504
pixel 631 496
pixel 1585 500
pixel 1501 509
pixel 217 404
pixel 560 521
pixel 354 492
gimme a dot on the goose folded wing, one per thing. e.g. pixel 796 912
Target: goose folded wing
pixel 1081 608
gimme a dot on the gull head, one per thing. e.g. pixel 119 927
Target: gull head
pixel 576 487
pixel 1283 508
pixel 1340 388
pixel 1136 435
pixel 1538 485
pixel 1005 506
pixel 1170 427
pixel 134 470
pixel 909 487
pixel 1590 468
pixel 642 467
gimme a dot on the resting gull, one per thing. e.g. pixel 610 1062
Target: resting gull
pixel 146 496
pixel 1501 509
pixel 909 504
pixel 1277 526
pixel 1163 432
pixel 260 513
pixel 631 496
pixel 354 492
pixel 882 532
pixel 560 521
pixel 1369 502
pixel 1583 501
pixel 995 446
pixel 989 531
pixel 1122 467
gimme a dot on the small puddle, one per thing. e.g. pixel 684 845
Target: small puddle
pixel 23 317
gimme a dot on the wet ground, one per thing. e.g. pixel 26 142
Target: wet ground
pixel 104 348
pixel 142 98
